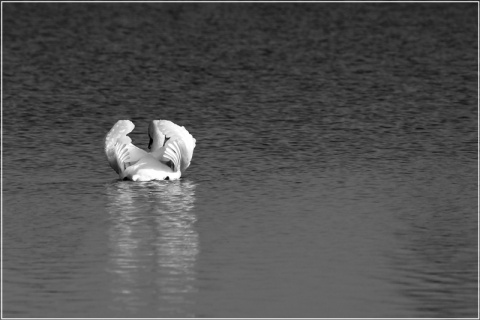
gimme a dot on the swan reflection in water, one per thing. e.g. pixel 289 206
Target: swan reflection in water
pixel 153 248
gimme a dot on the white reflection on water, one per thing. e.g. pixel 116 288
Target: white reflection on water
pixel 153 247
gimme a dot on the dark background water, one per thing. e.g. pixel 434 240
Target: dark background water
pixel 335 173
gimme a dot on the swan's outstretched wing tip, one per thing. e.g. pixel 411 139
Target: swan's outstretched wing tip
pixel 179 146
pixel 122 155
pixel 115 137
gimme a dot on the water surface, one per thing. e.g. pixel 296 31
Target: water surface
pixel 335 173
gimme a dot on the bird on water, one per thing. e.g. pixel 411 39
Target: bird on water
pixel 171 149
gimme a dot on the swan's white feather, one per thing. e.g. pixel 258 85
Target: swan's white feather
pixel 168 159
pixel 179 146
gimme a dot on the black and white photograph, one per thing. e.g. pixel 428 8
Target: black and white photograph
pixel 240 159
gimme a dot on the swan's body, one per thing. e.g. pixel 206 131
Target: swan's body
pixel 171 151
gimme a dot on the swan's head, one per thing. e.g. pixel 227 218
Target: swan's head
pixel 157 138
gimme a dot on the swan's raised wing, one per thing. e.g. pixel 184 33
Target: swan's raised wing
pixel 178 144
pixel 119 149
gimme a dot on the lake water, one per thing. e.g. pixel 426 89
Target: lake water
pixel 335 172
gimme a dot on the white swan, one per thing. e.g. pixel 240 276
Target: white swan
pixel 171 151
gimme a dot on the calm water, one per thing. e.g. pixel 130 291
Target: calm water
pixel 335 173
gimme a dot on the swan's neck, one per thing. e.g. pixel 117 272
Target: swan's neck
pixel 157 144
pixel 157 138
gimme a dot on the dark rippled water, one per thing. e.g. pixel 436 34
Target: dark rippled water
pixel 335 173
